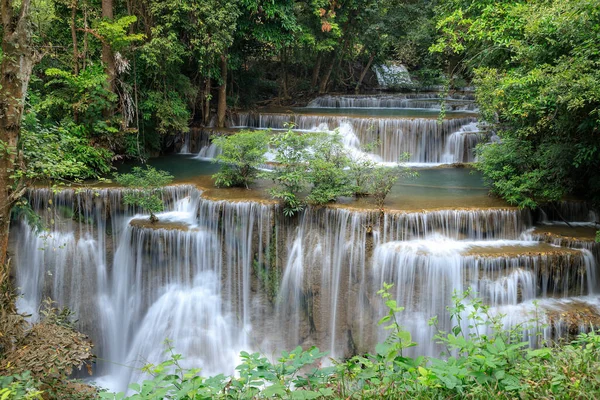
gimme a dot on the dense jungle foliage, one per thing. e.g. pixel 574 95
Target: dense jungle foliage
pixel 535 68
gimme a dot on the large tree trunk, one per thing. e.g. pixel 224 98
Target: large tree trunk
pixel 15 71
pixel 74 37
pixel 107 55
pixel 363 73
pixel 222 105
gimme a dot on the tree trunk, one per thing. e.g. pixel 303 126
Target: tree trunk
pixel 316 70
pixel 15 71
pixel 107 55
pixel 284 73
pixel 74 37
pixel 206 111
pixel 85 36
pixel 222 105
pixel 363 73
pixel 325 78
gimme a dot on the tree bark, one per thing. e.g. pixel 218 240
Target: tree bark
pixel 222 105
pixel 325 78
pixel 316 70
pixel 108 58
pixel 15 72
pixel 206 103
pixel 74 37
pixel 363 73
pixel 284 73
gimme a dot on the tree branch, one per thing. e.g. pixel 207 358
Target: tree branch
pixel 94 33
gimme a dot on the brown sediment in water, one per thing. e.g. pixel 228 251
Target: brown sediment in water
pixel 575 233
pixel 573 316
pixel 541 249
pixel 145 223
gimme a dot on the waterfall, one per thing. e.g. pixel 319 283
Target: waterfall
pixel 209 152
pixel 461 144
pixel 217 277
pixel 423 138
pixel 427 271
pixel 392 75
pixel 185 147
pixel 454 102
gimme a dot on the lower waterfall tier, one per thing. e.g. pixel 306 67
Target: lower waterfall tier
pixel 217 277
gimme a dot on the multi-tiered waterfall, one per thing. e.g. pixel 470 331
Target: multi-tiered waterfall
pixel 389 125
pixel 219 276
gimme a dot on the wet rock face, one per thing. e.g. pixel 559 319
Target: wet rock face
pixel 272 283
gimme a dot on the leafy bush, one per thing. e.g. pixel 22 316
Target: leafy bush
pixel 535 71
pixel 241 155
pixel 522 174
pixel 319 165
pixel 147 184
pixel 291 172
pixel 61 151
pixel 328 162
pixel 19 387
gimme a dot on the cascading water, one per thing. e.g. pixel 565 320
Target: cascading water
pixel 209 152
pixel 461 144
pixel 392 75
pixel 424 139
pixel 218 277
pixel 176 267
pixel 455 102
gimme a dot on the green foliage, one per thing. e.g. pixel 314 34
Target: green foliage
pixel 83 97
pixel 166 111
pixel 597 236
pixel 328 162
pixel 60 152
pixel 535 69
pixel 19 387
pixel 382 179
pixel 372 179
pixel 116 33
pixel 320 166
pixel 522 175
pixel 147 184
pixel 241 155
pixel 291 171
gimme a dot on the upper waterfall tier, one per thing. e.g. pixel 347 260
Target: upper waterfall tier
pixel 453 102
pixel 424 139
